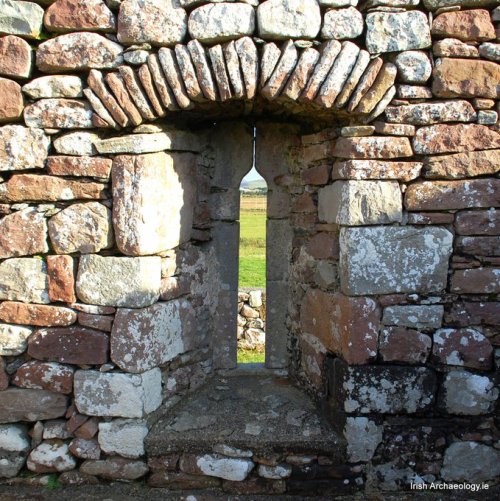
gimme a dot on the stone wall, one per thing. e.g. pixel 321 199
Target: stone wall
pixel 251 330
pixel 377 134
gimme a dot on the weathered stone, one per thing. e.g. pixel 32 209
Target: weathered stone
pixel 470 461
pixel 182 481
pixel 213 465
pixel 78 51
pixel 372 147
pixel 119 89
pixel 30 145
pixel 83 448
pixel 124 437
pixel 14 447
pixel 45 376
pixel 490 51
pixel 414 92
pixel 119 281
pixel 116 394
pixel 394 129
pixel 365 82
pixel 38 188
pixel 51 456
pixel 77 478
pixel 219 22
pixel 79 15
pixel 397 31
pixel 362 62
pixel 430 113
pixel 433 5
pixel 54 86
pixel 413 66
pixel 283 70
pixel 282 19
pixel 4 377
pixel 25 280
pixel 59 114
pixel 357 203
pixel 18 404
pixel 146 189
pixel 454 138
pixel 363 436
pixel 136 91
pixel 487 117
pixel 462 165
pixel 150 89
pixel 465 393
pixel 467 25
pixel 20 18
pixel 451 47
pixel 100 322
pixel 376 169
pixel 465 78
pixel 323 246
pixel 202 68
pixel 269 60
pixel 357 131
pixel 23 233
pixel 11 100
pixel 476 281
pixel 473 193
pixel 115 468
pixel 76 143
pixel 342 24
pixel 84 228
pixel 462 347
pixel 101 117
pixel 173 76
pixel 346 326
pixel 249 63
pixel 478 246
pixel 367 262
pixel 378 389
pixel 384 81
pixel 31 314
pixel 61 278
pixel 79 166
pixel 274 472
pixel 16 57
pixel 416 316
pixel 148 21
pixel 402 345
pixel 88 429
pixel 149 337
pixel 478 222
pixel 188 72
pixel 13 339
pixel 69 345
pixel 220 72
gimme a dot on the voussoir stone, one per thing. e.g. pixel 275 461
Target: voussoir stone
pixel 59 114
pixel 117 394
pixel 465 25
pixel 219 22
pixel 19 404
pixel 11 100
pixel 54 86
pixel 13 339
pixel 15 445
pixel 69 345
pixel 34 314
pixel 372 147
pixel 22 147
pixel 149 337
pixel 78 51
pixel 466 78
pixel 16 57
pixel 85 228
pixel 79 15
pixel 430 113
pixel 49 376
pixel 130 282
pixel 422 265
pixel 20 18
pixel 397 31
pixel 282 19
pixel 25 280
pixel 342 24
pixel 161 23
pixel 462 165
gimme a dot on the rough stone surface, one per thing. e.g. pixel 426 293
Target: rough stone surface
pixel 115 468
pixel 11 100
pixel 149 337
pixel 83 448
pixel 464 393
pixel 51 456
pixel 117 394
pixel 413 66
pixel 402 345
pixel 397 31
pixel 49 376
pixel 23 233
pixel 342 24
pixel 468 25
pixel 147 190
pixel 119 281
pixel 275 472
pixel 213 465
pixel 14 447
pixel 465 78
pixel 39 315
pixel 367 264
pixel 451 47
pixel 462 165
pixel 462 347
pixel 22 148
pixel 59 114
pixel 69 345
pixel 61 279
pixel 79 166
pixel 54 86
pixel 124 437
pixel 282 19
pixel 376 169
pixel 490 51
pixel 13 339
pixel 356 203
pixel 416 316
pixel 430 113
pixel 78 51
pixel 84 228
pixel 25 280
pixel 219 22
pixel 16 57
pixel 78 143
pixel 19 404
pixel 20 18
pixel 470 462
pixel 478 222
pixel 149 21
pixel 363 436
pixel 79 15
pixel 476 281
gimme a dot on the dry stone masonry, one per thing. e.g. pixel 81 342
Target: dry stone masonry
pixel 126 128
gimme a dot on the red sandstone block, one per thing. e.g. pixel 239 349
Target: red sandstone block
pixel 61 279
pixel 476 281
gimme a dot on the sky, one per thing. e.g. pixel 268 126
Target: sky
pixel 253 175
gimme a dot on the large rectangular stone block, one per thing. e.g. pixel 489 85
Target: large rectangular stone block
pixel 153 201
pixel 387 259
pixel 115 394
